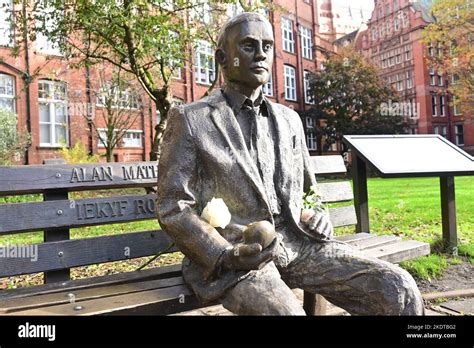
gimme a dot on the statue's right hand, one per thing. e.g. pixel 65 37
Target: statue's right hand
pixel 246 257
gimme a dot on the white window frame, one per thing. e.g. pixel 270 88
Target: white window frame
pixel 287 35
pixel 307 42
pixel 440 80
pixel 307 98
pixel 396 23
pixel 407 52
pixel 409 79
pixel 442 105
pixel 434 105
pixel 290 82
pixel 134 142
pixel 101 133
pixel 122 98
pixel 310 124
pixel 457 133
pixel 399 82
pixel 311 141
pixel 431 49
pixel 43 43
pixel 8 95
pixel 205 69
pixel 267 88
pixel 456 109
pixel 432 77
pixel 52 104
pixel 404 20
pixel 6 26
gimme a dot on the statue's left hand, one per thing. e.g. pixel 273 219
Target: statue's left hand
pixel 317 224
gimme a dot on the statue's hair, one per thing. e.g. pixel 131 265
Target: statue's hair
pixel 240 18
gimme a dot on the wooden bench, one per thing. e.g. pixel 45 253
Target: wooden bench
pixel 153 291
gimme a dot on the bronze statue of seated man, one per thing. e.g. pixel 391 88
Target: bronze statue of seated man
pixel 239 146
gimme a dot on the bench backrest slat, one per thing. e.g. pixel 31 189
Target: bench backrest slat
pixel 324 165
pixel 24 217
pixel 15 180
pixel 87 251
pixel 333 192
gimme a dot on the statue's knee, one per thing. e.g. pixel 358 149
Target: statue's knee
pixel 402 294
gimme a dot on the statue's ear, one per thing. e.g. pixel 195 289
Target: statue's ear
pixel 221 57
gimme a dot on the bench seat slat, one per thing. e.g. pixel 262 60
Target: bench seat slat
pixel 15 304
pixel 17 180
pixel 93 282
pixel 332 192
pixel 81 252
pixel 400 251
pixel 374 242
pixel 164 301
pixel 27 217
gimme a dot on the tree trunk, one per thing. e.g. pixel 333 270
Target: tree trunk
pixel 164 102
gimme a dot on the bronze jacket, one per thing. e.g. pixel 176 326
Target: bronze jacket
pixel 204 156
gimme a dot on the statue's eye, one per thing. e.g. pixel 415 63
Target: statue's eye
pixel 267 47
pixel 248 47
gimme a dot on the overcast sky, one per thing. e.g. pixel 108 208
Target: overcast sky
pixel 366 5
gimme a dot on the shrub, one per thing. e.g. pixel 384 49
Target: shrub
pixel 77 154
pixel 12 143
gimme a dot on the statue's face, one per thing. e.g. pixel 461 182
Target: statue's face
pixel 249 54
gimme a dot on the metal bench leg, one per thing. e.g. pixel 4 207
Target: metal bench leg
pixel 314 304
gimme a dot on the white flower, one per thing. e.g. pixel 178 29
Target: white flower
pixel 216 213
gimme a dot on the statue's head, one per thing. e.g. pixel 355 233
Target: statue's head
pixel 245 50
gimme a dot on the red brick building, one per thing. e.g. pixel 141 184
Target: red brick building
pixel 54 105
pixel 392 40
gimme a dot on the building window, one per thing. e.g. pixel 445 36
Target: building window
pixel 441 130
pixel 459 131
pixel 404 20
pixel 409 78
pixel 442 111
pixel 407 52
pixel 7 92
pixel 440 80
pixel 398 56
pixel 52 100
pixel 399 82
pixel 389 25
pixel 45 19
pixel 116 97
pixel 431 49
pixel 395 5
pixel 268 87
pixel 205 64
pixel 130 138
pixel 456 106
pixel 6 30
pixel 309 122
pixel 307 42
pixel 287 35
pixel 308 98
pixel 434 105
pixel 396 23
pixel 312 141
pixel 290 83
pixel 432 77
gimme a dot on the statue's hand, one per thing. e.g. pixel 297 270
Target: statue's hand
pixel 246 257
pixel 317 224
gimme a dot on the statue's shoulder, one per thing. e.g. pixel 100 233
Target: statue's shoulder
pixel 203 105
pixel 284 111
